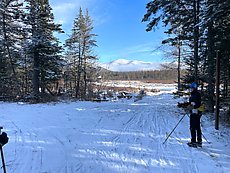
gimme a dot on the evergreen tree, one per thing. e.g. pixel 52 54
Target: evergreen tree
pixel 44 48
pixel 79 52
pixel 215 28
pixel 88 43
pixel 74 51
pixel 10 44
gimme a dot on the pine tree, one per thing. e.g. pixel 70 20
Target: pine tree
pixel 79 52
pixel 73 45
pixel 88 43
pixel 44 47
pixel 10 34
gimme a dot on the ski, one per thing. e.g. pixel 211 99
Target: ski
pixel 194 145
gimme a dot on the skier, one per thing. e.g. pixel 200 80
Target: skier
pixel 195 116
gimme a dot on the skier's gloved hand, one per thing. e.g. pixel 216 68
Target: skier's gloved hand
pixel 190 107
pixel 3 138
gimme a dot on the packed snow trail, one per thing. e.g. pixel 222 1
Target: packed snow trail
pixel 109 137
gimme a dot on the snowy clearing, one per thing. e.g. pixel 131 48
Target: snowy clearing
pixel 109 137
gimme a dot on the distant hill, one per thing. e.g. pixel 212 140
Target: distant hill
pixel 123 65
pixel 122 69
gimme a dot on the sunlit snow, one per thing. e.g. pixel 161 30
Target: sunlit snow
pixel 119 136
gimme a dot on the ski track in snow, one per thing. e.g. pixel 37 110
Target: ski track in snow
pixel 110 137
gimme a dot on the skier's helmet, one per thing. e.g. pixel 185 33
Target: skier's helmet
pixel 193 85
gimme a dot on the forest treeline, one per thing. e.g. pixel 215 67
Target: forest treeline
pixel 148 75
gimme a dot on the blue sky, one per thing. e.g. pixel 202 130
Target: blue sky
pixel 121 34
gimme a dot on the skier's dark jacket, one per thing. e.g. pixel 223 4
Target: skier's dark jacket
pixel 196 98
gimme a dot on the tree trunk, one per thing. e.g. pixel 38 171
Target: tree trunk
pixel 196 6
pixel 79 71
pixel 85 78
pixel 42 82
pixel 35 79
pixel 210 77
pixel 178 67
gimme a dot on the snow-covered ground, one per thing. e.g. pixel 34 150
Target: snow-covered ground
pixel 109 137
pixel 139 85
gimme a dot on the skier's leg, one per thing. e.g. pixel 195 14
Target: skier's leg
pixel 193 135
pixel 193 127
pixel 199 133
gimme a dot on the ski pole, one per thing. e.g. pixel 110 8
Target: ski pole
pixel 2 155
pixel 3 161
pixel 206 139
pixel 174 128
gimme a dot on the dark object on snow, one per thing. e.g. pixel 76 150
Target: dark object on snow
pixel 194 144
pixel 4 138
pixel 124 94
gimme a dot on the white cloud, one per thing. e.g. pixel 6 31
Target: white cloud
pixel 156 53
pixel 64 12
pixel 146 47
pixel 63 7
pixel 145 51
pixel 142 50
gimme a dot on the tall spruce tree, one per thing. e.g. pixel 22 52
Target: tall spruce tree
pixel 74 52
pixel 44 48
pixel 88 43
pixel 79 52
pixel 10 44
